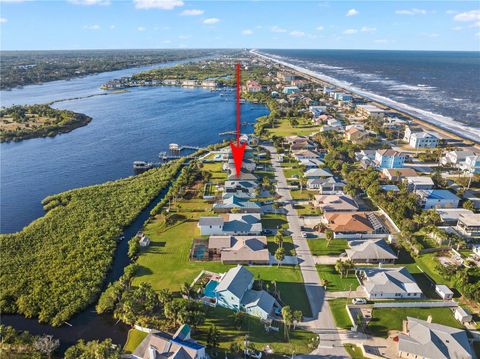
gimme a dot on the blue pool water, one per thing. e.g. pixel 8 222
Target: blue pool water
pixel 210 289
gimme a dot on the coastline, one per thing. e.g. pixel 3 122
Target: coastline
pixel 447 126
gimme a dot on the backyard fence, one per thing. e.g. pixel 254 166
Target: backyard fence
pixel 432 304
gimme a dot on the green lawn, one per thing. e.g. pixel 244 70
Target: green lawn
pixel 290 172
pixel 302 194
pixel 385 319
pixel 354 351
pixel 273 221
pixel 218 176
pixel 339 312
pixel 223 319
pixel 283 128
pixel 335 282
pixel 306 210
pixel 318 247
pixel 165 263
pixel 287 245
pixel 134 338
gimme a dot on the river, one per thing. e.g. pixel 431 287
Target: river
pixel 127 126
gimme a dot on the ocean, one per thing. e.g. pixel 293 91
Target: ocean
pixel 442 85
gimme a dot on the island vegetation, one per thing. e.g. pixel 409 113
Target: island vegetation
pixel 20 68
pixel 56 266
pixel 32 121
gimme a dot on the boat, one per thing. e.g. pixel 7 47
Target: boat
pixel 142 166
pixel 242 101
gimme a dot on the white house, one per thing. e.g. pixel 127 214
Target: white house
pixel 417 183
pixel 423 140
pixel 469 225
pixel 388 283
pixel 462 315
pixel 231 224
pixel 471 164
pixel 438 198
pixel 370 111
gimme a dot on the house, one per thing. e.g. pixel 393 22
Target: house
pixel 417 183
pixel 304 154
pixel 389 159
pixel 253 86
pixel 425 340
pixel 368 154
pixel 353 222
pixel 285 76
pixel 443 291
pixel 247 164
pixel 390 187
pixel 355 135
pixel 143 240
pixel 325 185
pixel 438 198
pixel 311 163
pixel 469 225
pixel 234 291
pixel 248 187
pixel 455 158
pixel 209 83
pixel 171 82
pixel 450 216
pixel 335 203
pixel 317 173
pixel 244 175
pixel 471 164
pixel 164 345
pixel 370 111
pixel 397 174
pixel 462 315
pixel 317 110
pixel 288 90
pixel 423 140
pixel 239 249
pixel 237 202
pixel 189 83
pixel 388 283
pixel 231 224
pixel 370 251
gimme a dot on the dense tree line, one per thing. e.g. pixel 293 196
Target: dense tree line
pixel 20 68
pixel 94 350
pixel 31 121
pixel 466 280
pixel 56 266
pixel 16 344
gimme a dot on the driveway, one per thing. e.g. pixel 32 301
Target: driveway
pixel 322 321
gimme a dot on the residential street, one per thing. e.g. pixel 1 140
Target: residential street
pixel 322 321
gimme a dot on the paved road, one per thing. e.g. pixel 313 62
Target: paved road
pixel 322 321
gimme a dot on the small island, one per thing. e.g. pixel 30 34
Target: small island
pixel 19 123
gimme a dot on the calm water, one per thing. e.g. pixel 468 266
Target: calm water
pixel 442 85
pixel 129 126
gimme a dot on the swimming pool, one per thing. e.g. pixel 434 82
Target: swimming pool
pixel 199 251
pixel 209 290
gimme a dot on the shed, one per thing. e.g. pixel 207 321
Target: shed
pixel 443 291
pixel 462 315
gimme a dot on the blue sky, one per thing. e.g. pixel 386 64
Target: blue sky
pixel 112 24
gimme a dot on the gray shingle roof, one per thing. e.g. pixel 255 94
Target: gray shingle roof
pixel 210 221
pixel 236 280
pixel 370 249
pixel 389 280
pixel 258 298
pixel 430 340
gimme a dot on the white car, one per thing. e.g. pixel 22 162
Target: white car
pixel 359 301
pixel 304 234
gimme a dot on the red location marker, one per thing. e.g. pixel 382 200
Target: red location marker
pixel 238 149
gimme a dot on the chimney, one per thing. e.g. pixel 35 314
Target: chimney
pixel 429 319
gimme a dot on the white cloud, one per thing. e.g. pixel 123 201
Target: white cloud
pixel 413 11
pixel 278 29
pixel 90 2
pixel 157 4
pixel 3 20
pixel 297 33
pixel 192 12
pixel 472 15
pixel 368 29
pixel 320 28
pixel 247 32
pixel 475 24
pixel 184 37
pixel 91 27
pixel 350 31
pixel 211 21
pixel 141 28
pixel 352 12
pixel 111 27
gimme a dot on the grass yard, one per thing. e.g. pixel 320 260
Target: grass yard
pixel 287 245
pixel 385 319
pixel 218 175
pixel 165 263
pixel 290 172
pixel 284 128
pixel 318 247
pixel 354 351
pixel 306 210
pixel 335 282
pixel 134 338
pixel 339 312
pixel 302 194
pixel 223 319
pixel 273 221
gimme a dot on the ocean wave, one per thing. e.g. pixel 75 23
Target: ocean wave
pixel 444 122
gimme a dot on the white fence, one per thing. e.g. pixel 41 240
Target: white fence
pixel 360 236
pixel 436 304
pixel 146 330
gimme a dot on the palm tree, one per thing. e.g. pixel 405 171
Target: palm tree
pixel 279 239
pixel 287 320
pixel 279 255
pixel 297 318
pixel 328 236
pixel 340 267
pixel 185 290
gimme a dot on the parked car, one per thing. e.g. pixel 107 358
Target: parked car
pixel 304 234
pixel 267 232
pixel 359 301
pixel 343 254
